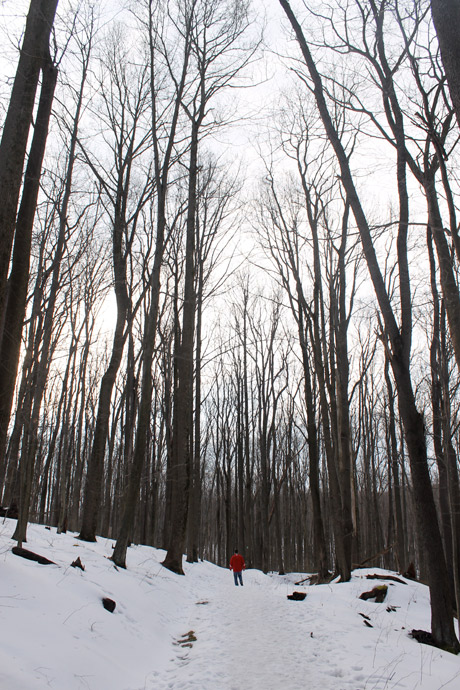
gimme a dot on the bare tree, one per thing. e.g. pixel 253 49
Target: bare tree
pixel 399 344
pixel 166 152
pixel 34 57
pixel 216 31
pixel 299 234
pixel 19 276
pixel 124 93
pixel 216 195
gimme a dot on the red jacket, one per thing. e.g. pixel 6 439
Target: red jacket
pixel 237 563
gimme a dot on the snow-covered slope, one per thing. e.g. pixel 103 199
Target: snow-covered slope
pixel 200 631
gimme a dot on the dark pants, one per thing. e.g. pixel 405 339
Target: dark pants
pixel 238 576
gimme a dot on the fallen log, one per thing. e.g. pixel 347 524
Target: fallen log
pixel 316 579
pixel 378 593
pixel 386 577
pixel 306 579
pixel 423 637
pixel 297 596
pixel 31 556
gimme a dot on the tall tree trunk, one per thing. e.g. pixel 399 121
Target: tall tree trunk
pixel 145 404
pixel 162 169
pixel 446 18
pixel 445 260
pixel 40 369
pixel 345 456
pixel 194 514
pixel 95 470
pixel 16 129
pixel 319 540
pixel 400 537
pixel 19 277
pixel 182 450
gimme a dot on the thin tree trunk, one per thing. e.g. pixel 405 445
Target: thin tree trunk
pixel 401 550
pixel 194 516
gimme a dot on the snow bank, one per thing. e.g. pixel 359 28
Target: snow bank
pixel 200 631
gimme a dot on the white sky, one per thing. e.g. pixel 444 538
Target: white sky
pixel 242 142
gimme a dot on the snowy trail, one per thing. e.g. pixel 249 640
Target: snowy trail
pixel 255 638
pixel 55 633
pixel 252 632
pixel 248 630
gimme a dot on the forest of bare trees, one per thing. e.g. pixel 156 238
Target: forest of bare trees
pixel 229 283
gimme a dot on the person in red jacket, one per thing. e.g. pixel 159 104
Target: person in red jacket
pixel 237 564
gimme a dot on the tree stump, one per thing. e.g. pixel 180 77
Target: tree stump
pixel 77 564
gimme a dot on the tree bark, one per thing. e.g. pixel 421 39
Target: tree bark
pixel 95 470
pixel 446 18
pixel 19 277
pixel 16 128
pixel 182 450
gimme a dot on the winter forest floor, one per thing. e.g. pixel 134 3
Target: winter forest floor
pixel 200 631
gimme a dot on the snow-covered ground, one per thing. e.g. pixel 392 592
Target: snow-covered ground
pixel 201 632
